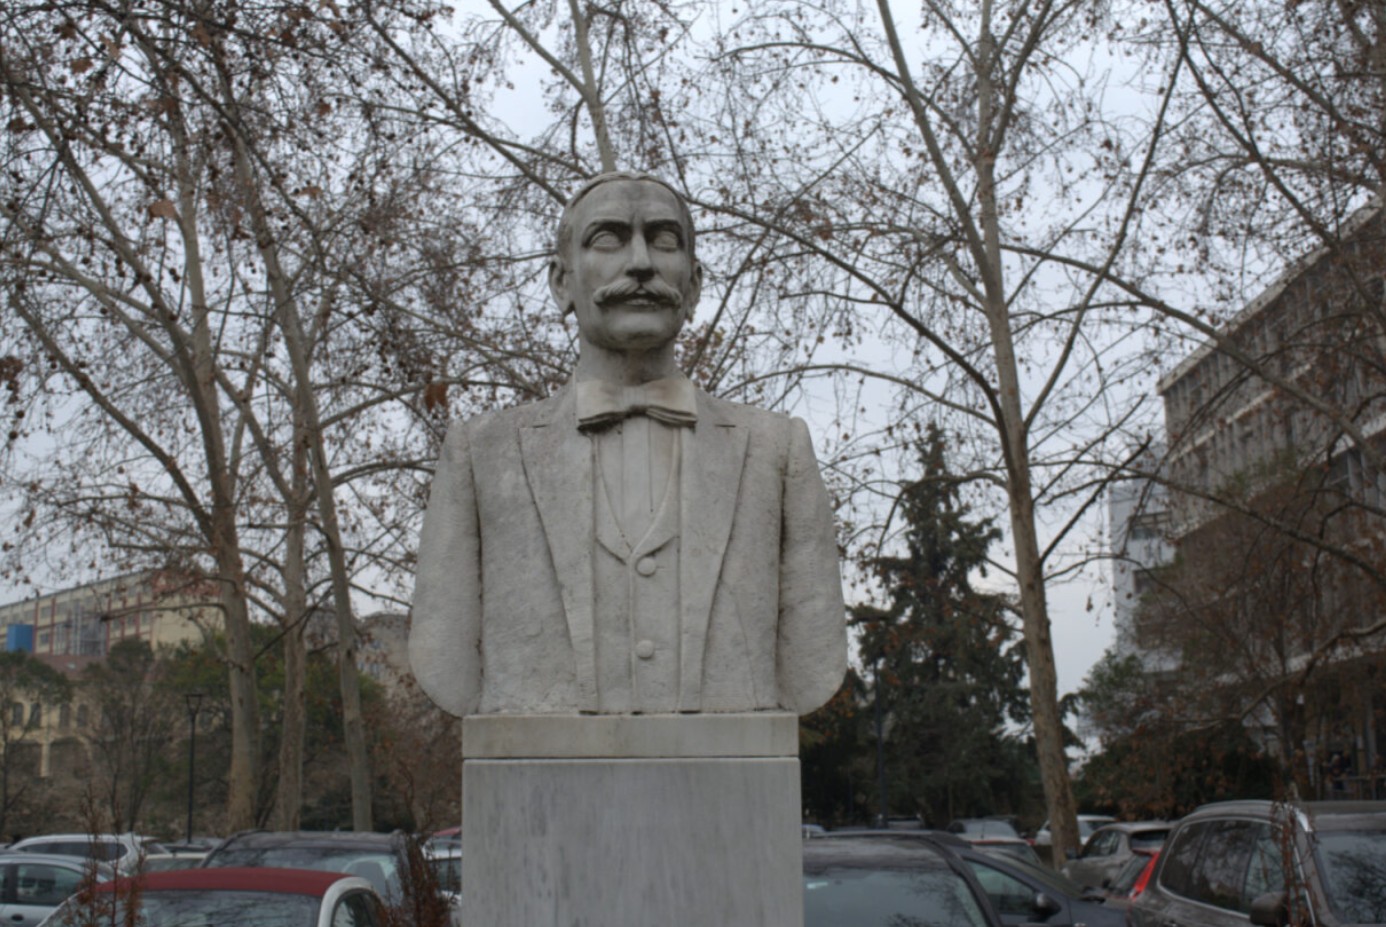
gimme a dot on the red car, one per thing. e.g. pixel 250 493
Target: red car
pixel 243 896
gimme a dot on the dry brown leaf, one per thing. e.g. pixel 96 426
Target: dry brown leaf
pixel 163 209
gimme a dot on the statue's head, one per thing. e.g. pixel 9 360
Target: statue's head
pixel 624 262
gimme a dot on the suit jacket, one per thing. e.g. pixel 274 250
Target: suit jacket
pixel 503 603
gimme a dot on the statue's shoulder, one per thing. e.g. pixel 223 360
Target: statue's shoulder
pixel 493 424
pixel 738 413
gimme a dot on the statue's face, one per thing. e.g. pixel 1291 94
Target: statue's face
pixel 628 273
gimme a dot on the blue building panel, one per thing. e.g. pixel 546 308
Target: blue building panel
pixel 20 637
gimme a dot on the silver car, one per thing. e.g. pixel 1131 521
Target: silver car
pixel 122 851
pixel 33 884
pixel 1111 847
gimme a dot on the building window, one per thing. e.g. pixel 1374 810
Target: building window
pixel 83 716
pixel 35 714
pixel 64 717
pixel 16 714
pixel 1144 530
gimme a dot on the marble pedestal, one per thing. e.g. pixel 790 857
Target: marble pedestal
pixel 631 821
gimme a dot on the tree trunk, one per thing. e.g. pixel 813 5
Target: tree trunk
pixel 306 413
pixel 224 537
pixel 289 790
pixel 1015 445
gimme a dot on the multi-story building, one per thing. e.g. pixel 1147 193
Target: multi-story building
pixel 72 628
pixel 1276 439
pixel 1138 539
pixel 382 644
pixel 156 606
pixel 1317 331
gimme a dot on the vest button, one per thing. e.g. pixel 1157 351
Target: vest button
pixel 646 566
pixel 645 649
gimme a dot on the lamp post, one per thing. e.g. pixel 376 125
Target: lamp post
pixel 883 812
pixel 194 700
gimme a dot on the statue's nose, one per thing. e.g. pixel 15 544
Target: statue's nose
pixel 639 266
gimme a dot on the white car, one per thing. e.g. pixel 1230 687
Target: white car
pixel 123 851
pixel 33 884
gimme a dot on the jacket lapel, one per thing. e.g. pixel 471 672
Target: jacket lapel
pixel 558 466
pixel 713 455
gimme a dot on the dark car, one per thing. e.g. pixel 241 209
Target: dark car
pixel 889 878
pixel 1007 848
pixel 1030 893
pixel 1109 848
pixel 380 859
pixel 1273 864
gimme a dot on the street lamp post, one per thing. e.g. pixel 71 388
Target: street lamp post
pixel 194 700
pixel 883 811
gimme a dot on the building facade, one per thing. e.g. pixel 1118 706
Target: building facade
pixel 160 607
pixel 1276 517
pixel 70 629
pixel 1138 538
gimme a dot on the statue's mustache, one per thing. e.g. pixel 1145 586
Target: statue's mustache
pixel 654 290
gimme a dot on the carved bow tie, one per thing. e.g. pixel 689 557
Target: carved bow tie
pixel 670 400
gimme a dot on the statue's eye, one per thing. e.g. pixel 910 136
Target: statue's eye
pixel 666 240
pixel 604 240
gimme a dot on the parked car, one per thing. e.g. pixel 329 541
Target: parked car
pixel 993 835
pixel 1273 864
pixel 228 896
pixel 888 878
pixel 1029 893
pixel 1126 886
pixel 1007 848
pixel 32 885
pixel 123 851
pixel 165 862
pixel 1109 848
pixel 445 859
pixel 1087 823
pixel 979 828
pixel 378 858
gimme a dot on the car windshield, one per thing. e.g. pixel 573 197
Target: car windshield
pixel 1054 880
pixel 379 868
pixel 1354 868
pixel 890 898
pixel 1020 850
pixel 194 909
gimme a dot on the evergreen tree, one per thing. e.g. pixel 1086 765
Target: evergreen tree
pixel 945 662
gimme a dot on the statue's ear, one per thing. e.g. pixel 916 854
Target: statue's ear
pixel 695 291
pixel 558 283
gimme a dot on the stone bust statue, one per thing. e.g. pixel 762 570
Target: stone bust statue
pixel 631 544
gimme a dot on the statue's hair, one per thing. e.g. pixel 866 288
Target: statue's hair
pixel 564 239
